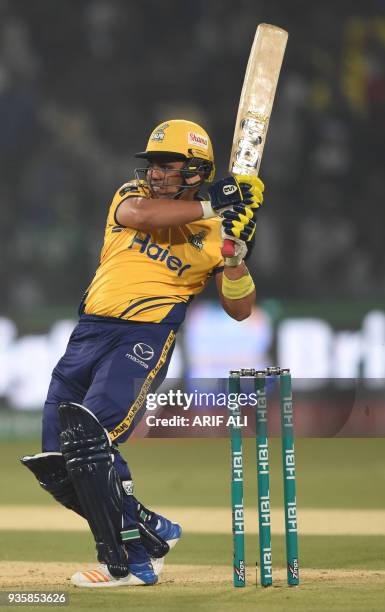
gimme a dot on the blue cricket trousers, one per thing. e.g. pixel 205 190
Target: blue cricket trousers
pixel 108 367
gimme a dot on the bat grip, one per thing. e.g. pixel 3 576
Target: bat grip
pixel 228 248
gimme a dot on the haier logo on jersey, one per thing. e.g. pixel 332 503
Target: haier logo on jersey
pixel 198 140
pixel 157 253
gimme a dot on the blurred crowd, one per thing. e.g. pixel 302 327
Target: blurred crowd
pixel 83 82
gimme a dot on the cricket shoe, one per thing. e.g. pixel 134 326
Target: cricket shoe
pixel 141 574
pixel 171 533
pixel 168 531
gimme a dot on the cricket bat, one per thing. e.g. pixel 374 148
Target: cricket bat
pixel 255 105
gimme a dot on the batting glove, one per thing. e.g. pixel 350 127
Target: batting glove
pixel 252 190
pixel 238 222
pixel 231 191
pixel 240 252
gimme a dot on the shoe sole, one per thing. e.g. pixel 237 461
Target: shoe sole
pixel 133 581
pixel 172 543
pixel 158 563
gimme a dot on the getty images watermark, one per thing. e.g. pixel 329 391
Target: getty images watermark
pixel 345 408
pixel 198 400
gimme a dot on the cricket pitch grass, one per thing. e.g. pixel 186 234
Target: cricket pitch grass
pixel 205 587
pixel 341 501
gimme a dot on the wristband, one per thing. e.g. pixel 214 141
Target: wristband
pixel 207 209
pixel 237 289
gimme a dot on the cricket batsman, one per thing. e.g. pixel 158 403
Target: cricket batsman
pixel 162 244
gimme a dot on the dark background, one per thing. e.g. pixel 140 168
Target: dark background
pixel 82 84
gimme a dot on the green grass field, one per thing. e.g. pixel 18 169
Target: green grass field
pixel 340 572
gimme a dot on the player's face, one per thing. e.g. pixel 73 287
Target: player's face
pixel 164 178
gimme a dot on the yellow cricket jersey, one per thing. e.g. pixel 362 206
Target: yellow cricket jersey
pixel 152 276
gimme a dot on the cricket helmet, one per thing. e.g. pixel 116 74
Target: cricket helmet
pixel 182 140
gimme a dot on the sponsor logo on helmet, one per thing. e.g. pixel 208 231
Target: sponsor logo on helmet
pixel 198 140
pixel 229 189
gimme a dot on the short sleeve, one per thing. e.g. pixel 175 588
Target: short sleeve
pixel 132 189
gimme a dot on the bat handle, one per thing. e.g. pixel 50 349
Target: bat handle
pixel 228 248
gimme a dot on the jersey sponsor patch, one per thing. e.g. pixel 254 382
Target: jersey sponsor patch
pixel 157 253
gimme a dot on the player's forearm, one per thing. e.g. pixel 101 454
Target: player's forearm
pixel 149 214
pixel 240 308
